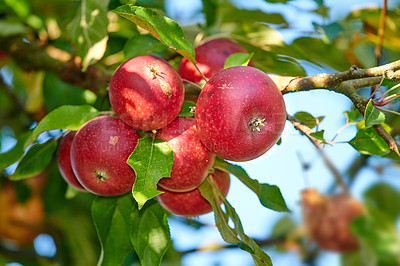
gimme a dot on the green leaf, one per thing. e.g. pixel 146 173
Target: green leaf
pixel 269 195
pixel 88 30
pixel 112 219
pixel 186 109
pixel 383 196
pixel 152 160
pixel 163 28
pixel 308 119
pixel 35 160
pixel 11 28
pixel 238 59
pixel 150 234
pixel 352 116
pixel 372 115
pixel 368 142
pixel 283 227
pixel 15 154
pixel 145 45
pixel 319 135
pixel 65 117
pixel 210 8
pixel 210 191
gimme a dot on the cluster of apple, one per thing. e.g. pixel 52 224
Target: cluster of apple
pixel 239 115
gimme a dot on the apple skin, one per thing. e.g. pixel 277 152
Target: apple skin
pixel 228 104
pixel 192 160
pixel 146 92
pixel 210 58
pixel 98 156
pixel 327 219
pixel 64 161
pixel 191 203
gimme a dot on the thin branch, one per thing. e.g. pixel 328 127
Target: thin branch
pixel 381 32
pixel 307 132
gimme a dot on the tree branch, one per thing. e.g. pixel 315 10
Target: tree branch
pixel 316 142
pixel 32 56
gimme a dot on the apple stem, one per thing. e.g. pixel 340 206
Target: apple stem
pixel 256 123
pixel 101 176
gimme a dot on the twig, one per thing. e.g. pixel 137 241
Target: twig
pixel 307 132
pixel 381 32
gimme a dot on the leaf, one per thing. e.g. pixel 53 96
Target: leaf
pixel 210 191
pixel 269 195
pixel 163 28
pixel 150 234
pixel 145 45
pixel 319 135
pixel 15 154
pixel 11 28
pixel 308 119
pixel 368 142
pixel 238 59
pixel 283 227
pixel 152 160
pixel 186 109
pixel 112 219
pixel 35 160
pixel 372 115
pixel 383 196
pixel 65 117
pixel 352 116
pixel 88 30
pixel 210 8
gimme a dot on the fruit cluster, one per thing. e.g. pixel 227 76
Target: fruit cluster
pixel 239 115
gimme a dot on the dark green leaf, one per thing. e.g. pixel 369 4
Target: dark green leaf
pixel 161 27
pixel 283 227
pixel 112 219
pixel 152 160
pixel 35 160
pixel 384 197
pixel 238 59
pixel 319 135
pixel 210 8
pixel 186 109
pixel 269 195
pixel 65 117
pixel 150 233
pixel 232 14
pixel 331 31
pixel 210 191
pixel 277 1
pixel 13 155
pixel 368 142
pixel 57 93
pixel 279 141
pixel 145 45
pixel 393 86
pixel 88 30
pixel 23 191
pixel 308 119
pixel 372 115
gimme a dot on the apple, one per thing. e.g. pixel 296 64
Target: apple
pixel 98 156
pixel 191 203
pixel 210 57
pixel 64 161
pixel 192 160
pixel 146 92
pixel 240 113
pixel 327 219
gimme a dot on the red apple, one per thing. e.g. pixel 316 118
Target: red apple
pixel 210 57
pixel 191 158
pixel 98 156
pixel 240 113
pixel 191 203
pixel 146 92
pixel 64 161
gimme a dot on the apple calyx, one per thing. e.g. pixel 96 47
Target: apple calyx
pixel 256 123
pixel 154 72
pixel 101 176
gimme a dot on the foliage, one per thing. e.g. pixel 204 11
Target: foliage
pixel 56 59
